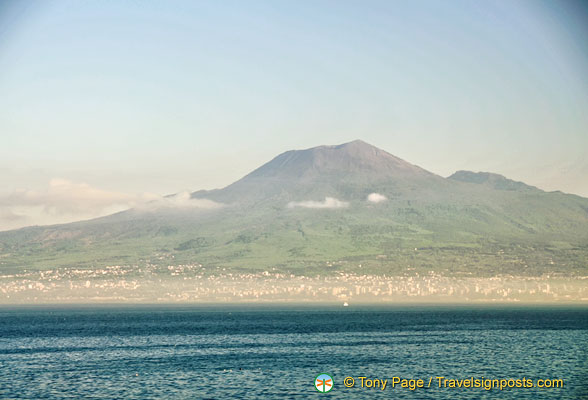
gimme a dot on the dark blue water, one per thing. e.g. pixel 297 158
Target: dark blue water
pixel 276 352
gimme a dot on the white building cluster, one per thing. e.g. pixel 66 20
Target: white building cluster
pixel 193 283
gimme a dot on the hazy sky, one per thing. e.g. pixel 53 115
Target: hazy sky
pixel 124 101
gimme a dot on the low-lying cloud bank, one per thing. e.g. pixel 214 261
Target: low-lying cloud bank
pixel 64 201
pixel 376 198
pixel 329 202
pixel 179 201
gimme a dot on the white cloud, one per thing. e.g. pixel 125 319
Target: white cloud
pixel 64 201
pixel 376 198
pixel 180 200
pixel 329 202
pixel 63 197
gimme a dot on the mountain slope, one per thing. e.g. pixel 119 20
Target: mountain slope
pixel 349 170
pixel 307 212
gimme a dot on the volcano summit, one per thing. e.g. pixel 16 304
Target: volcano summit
pixel 345 209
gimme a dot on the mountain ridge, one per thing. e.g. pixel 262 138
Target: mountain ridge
pixel 491 179
pixel 305 208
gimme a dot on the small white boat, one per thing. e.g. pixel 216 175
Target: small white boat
pixel 345 304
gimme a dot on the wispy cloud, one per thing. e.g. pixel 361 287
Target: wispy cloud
pixel 65 201
pixel 376 198
pixel 64 197
pixel 329 202
pixel 180 200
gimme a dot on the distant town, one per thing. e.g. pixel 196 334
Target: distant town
pixel 194 284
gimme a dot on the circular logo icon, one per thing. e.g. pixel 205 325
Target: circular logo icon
pixel 323 383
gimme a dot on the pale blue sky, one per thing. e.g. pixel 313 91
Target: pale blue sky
pixel 162 96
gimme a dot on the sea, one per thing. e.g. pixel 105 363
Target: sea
pixel 278 351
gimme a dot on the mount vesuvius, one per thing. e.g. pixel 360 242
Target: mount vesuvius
pixel 329 208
